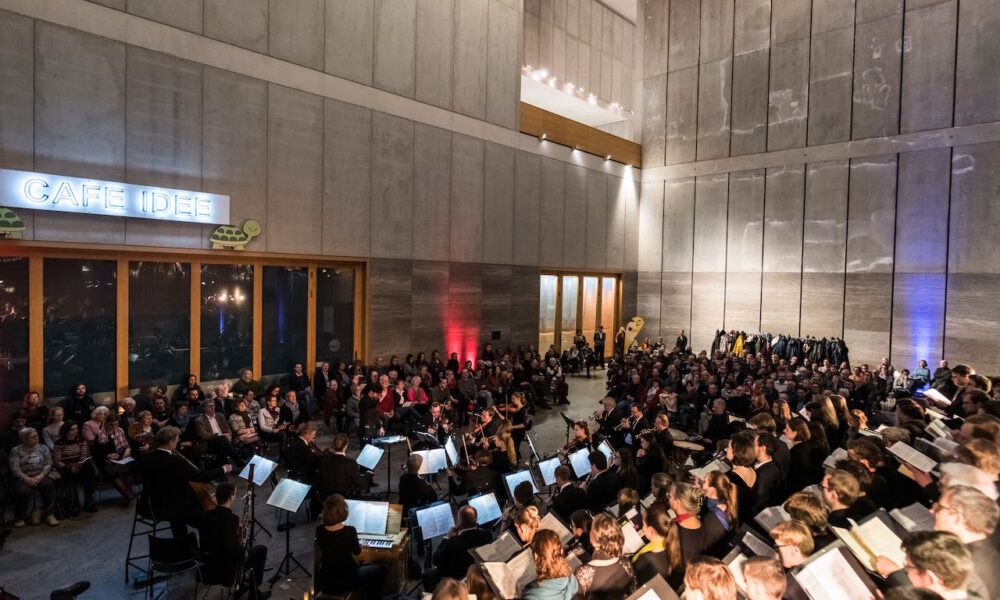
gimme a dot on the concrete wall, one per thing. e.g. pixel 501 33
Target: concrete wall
pixel 383 130
pixel 824 167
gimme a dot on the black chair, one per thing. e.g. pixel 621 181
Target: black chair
pixel 170 556
pixel 144 523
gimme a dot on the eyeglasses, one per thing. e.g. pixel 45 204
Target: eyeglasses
pixel 938 507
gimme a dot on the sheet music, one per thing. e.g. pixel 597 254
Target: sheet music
pixel 715 465
pixel 367 517
pixel 869 433
pixel 435 520
pixel 804 413
pixel 831 461
pixel 880 540
pixel 830 577
pixel 912 456
pixel 510 578
pixel 394 522
pixel 914 517
pixel 128 460
pixel 756 545
pixel 548 470
pixel 945 445
pixel 500 550
pixel 288 495
pixel 513 479
pixel 647 501
pixel 736 568
pixel 580 462
pixel 815 490
pixel 654 589
pixel 633 541
pixel 552 523
pixel 771 516
pixel 938 429
pixel 370 457
pixel 607 451
pixel 449 447
pixel 937 397
pixel 856 547
pixel 435 461
pixel 487 508
pixel 262 469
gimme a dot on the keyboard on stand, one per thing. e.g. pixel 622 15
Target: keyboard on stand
pixel 376 543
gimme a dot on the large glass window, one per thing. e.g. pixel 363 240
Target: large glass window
pixel 159 323
pixel 285 302
pixel 335 314
pixel 547 312
pixel 226 320
pixel 570 288
pixel 589 308
pixel 79 327
pixel 608 301
pixel 13 328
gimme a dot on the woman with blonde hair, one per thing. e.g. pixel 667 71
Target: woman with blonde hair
pixel 504 452
pixel 554 579
pixel 856 421
pixel 720 496
pixel 608 575
pixel 526 523
pixel 475 582
pixel 696 537
pixel 709 579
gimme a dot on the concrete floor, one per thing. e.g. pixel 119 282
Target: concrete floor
pixel 36 560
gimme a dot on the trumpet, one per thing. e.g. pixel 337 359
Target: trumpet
pixel 626 423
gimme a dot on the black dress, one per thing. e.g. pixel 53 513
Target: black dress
pixel 746 498
pixel 338 568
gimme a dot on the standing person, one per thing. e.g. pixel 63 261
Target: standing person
pixel 219 540
pixel 600 339
pixel 79 404
pixel 298 381
pixel 682 342
pixel 620 342
pixel 662 555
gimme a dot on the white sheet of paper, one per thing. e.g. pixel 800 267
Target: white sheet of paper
pixel 756 545
pixel 771 516
pixel 937 397
pixel 487 508
pixel 881 540
pixel 367 517
pixel 548 470
pixel 830 577
pixel 912 456
pixel 288 495
pixel 513 479
pixel 435 520
pixel 511 577
pixel 262 469
pixel 715 465
pixel 370 456
pixel 449 447
pixel 915 517
pixel 831 461
pixel 435 461
pixel 580 462
pixel 633 541
pixel 552 523
pixel 127 460
pixel 500 550
pixel 736 568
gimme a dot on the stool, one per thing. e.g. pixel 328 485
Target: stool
pixel 143 523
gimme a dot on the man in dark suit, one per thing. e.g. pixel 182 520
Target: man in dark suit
pixel 219 540
pixel 414 491
pixel 569 498
pixel 603 487
pixel 769 486
pixel 452 557
pixel 340 474
pixel 166 475
pixel 212 432
pixel 782 456
pixel 600 339
pixel 300 459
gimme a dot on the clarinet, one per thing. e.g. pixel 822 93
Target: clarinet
pixel 244 537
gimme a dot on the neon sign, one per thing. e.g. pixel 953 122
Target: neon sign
pixel 41 191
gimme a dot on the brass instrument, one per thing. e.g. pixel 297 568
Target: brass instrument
pixel 626 423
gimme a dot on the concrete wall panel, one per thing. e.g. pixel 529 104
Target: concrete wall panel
pixel 435 35
pixel 615 250
pixel 682 116
pixel 575 218
pixel 552 209
pixel 830 80
pixel 782 259
pixel 877 56
pixel 597 220
pixel 788 99
pixel 432 160
pixel 504 65
pixel 790 20
pixel 654 108
pixel 753 26
pixel 685 29
pixel 750 103
pixel 744 249
pixel 395 46
pixel 429 304
pixel 239 22
pixel 498 208
pixel 347 185
pixel 183 14
pixel 527 199
pixel 714 95
pixel 17 72
pixel 716 30
pixel 471 28
pixel 467 188
pixel 824 244
pixel 350 39
pixel 655 37
pixel 929 68
pixel 708 286
pixel 651 222
pixel 978 78
pixel 392 186
pixel 296 32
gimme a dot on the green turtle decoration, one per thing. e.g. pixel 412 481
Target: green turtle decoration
pixel 11 225
pixel 231 236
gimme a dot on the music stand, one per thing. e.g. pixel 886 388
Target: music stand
pixel 428 438
pixel 532 446
pixel 256 473
pixel 288 496
pixel 570 423
pixel 388 442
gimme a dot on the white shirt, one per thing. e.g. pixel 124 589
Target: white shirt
pixel 214 425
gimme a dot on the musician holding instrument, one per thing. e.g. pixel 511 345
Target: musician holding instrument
pixel 167 476
pixel 487 428
pixel 608 419
pixel 339 473
pixel 301 457
pixel 581 438
pixel 635 424
pixel 223 540
pixel 436 423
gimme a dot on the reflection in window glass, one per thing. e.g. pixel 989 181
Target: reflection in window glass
pixel 13 329
pixel 226 320
pixel 159 323
pixel 79 325
pixel 335 315
pixel 589 308
pixel 570 286
pixel 608 300
pixel 547 312
pixel 285 302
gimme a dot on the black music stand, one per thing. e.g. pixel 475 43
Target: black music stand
pixel 288 496
pixel 570 423
pixel 257 471
pixel 387 442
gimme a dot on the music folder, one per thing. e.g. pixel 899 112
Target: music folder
pixel 288 495
pixel 509 579
pixel 580 461
pixel 435 520
pixel 513 479
pixel 370 457
pixel 487 508
pixel 451 450
pixel 499 550
pixel 435 461
pixel 547 468
pixel 262 469
pixel 654 589
pixel 367 517
pixel 834 574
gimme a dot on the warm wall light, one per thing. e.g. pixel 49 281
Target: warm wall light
pixel 542 137
pixel 608 157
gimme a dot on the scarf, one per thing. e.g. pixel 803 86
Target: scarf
pixel 653 546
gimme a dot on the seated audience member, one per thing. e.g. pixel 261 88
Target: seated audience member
pixel 219 540
pixel 452 557
pixel 580 523
pixel 272 428
pixel 79 404
pixel 161 412
pixel 569 498
pixel 50 433
pixel 841 491
pixel 603 485
pixel 450 589
pixel 247 382
pixel 112 454
pixel 608 575
pixel 765 579
pixel 95 424
pixel 709 579
pixel 720 499
pixel 242 425
pixel 36 414
pixel 340 474
pixel 809 509
pixel 554 579
pixel 70 459
pixel 742 454
pixel 294 412
pixel 526 524
pixel 213 433
pixel 142 433
pixel 769 489
pixel 413 490
pixel 300 457
pixel 718 424
pixel 339 548
pixel 181 417
pixel 662 554
pixel 935 561
pixel 696 537
pixel 477 584
pixel 188 390
pixel 166 476
pixel 30 465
